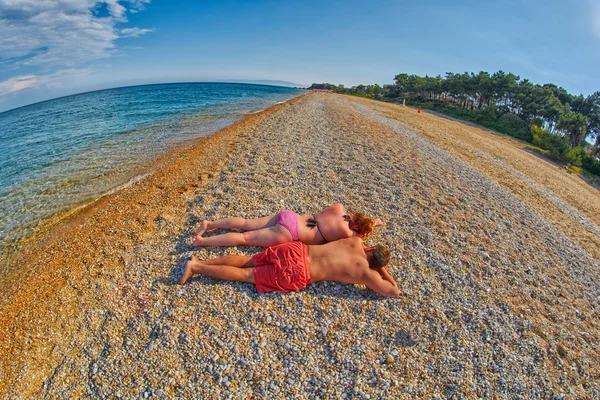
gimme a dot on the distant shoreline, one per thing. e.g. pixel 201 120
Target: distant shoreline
pixel 144 84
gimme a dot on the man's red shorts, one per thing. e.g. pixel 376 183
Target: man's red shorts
pixel 282 268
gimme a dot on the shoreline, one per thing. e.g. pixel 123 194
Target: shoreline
pixel 44 227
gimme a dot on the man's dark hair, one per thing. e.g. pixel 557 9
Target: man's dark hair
pixel 379 257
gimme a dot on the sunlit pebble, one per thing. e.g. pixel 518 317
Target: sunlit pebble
pixel 207 338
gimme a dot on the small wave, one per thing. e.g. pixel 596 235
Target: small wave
pixel 130 182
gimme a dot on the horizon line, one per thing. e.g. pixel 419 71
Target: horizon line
pixel 240 81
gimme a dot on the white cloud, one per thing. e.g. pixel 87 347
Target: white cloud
pixel 17 84
pixel 134 32
pixel 138 5
pixel 61 32
pixel 53 80
pixel 116 10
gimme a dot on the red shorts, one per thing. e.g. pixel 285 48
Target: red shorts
pixel 282 268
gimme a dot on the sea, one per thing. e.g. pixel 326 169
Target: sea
pixel 60 154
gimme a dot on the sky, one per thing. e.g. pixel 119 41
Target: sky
pixel 52 48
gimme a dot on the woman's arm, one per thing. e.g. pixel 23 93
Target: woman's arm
pixel 337 208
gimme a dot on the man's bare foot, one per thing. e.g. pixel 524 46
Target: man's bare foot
pixel 197 241
pixel 192 267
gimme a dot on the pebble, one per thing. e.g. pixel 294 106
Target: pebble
pixel 448 325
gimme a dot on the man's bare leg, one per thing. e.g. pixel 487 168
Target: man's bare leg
pixel 228 265
pixel 231 260
pixel 236 223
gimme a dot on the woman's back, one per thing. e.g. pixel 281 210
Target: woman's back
pixel 331 224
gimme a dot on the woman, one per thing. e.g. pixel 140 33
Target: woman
pixel 330 224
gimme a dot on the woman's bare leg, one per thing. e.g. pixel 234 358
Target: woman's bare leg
pixel 241 271
pixel 237 223
pixel 265 237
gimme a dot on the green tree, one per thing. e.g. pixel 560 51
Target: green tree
pixel 575 126
pixel 401 82
pixel 504 87
pixel 591 109
pixel 560 93
pixel 537 103
pixel 485 89
pixel 453 86
pixel 390 92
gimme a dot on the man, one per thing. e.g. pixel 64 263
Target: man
pixel 293 265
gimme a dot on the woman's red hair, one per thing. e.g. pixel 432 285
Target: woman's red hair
pixel 362 225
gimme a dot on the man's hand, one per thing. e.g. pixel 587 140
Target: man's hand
pixel 381 282
pixel 380 270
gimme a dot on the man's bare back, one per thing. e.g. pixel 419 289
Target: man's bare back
pixel 344 261
pixel 347 261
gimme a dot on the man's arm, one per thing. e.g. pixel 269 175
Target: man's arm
pixel 386 276
pixel 381 282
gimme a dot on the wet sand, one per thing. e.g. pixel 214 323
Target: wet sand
pixel 496 253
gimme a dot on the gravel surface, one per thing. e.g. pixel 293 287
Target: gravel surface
pixel 497 299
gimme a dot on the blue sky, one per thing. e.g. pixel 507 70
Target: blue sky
pixel 50 48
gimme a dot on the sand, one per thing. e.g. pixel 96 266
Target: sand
pixel 495 251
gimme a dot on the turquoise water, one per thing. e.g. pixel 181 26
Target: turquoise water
pixel 67 151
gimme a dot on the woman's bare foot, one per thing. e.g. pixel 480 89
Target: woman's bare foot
pixel 193 266
pixel 203 228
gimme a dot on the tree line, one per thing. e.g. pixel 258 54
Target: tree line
pixel 546 115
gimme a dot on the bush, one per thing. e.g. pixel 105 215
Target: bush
pixel 513 125
pixel 556 144
pixel 590 164
pixel 575 155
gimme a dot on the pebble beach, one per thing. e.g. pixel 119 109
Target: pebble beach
pixel 495 250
